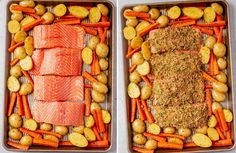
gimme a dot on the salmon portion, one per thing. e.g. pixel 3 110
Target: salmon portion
pixel 57 88
pixel 59 113
pixel 57 61
pixel 58 35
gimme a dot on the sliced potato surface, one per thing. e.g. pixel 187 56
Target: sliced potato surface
pixel 13 26
pixel 60 10
pixel 79 11
pixel 94 15
pixel 202 140
pixel 26 63
pixel 30 124
pixel 193 12
pixel 133 90
pixel 78 139
pixel 129 32
pixel 13 84
pixel 106 116
pixel 174 12
pixel 87 55
pixel 144 68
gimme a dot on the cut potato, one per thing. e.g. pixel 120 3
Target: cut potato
pixel 202 130
pixel 134 77
pixel 144 68
pixel 217 8
pixel 79 11
pixel 141 8
pixel 103 64
pixel 228 115
pixel 89 134
pixel 40 9
pixel 221 77
pixel 100 87
pixel 102 77
pixel 106 116
pixel 46 127
pixel 142 25
pixel 78 129
pixel 128 17
pixel 13 11
pixel 193 12
pixel 129 32
pixel 62 130
pixel 94 15
pixel 13 84
pixel 25 88
pixel 145 50
pixel 26 140
pixel 93 41
pixel 154 13
pixel 137 58
pixel 89 121
pixel 169 130
pixel 220 87
pixel 205 55
pixel 218 96
pixel 48 18
pixel 102 50
pixel 146 92
pixel 213 134
pixel 29 45
pixel 51 138
pixel 174 12
pixel 133 90
pixel 215 106
pixel 139 139
pixel 59 10
pixel 131 22
pixel 26 20
pixel 210 42
pixel 27 3
pixel 212 121
pixel 13 26
pixel 87 55
pixel 26 63
pixel 186 132
pixel 20 53
pixel 202 140
pixel 94 106
pixel 16 71
pixel 20 36
pixel 78 139
pixel 175 140
pixel 151 144
pixel 136 42
pixel 30 124
pixel 98 97
pixel 17 16
pixel 15 120
pixel 222 64
pixel 219 49
pixel 163 20
pixel 103 9
pixel 138 126
pixel 209 14
pixel 153 128
pixel 15 134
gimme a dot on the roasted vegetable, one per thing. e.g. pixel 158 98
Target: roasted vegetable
pixel 103 64
pixel 89 121
pixel 133 90
pixel 154 13
pixel 27 3
pixel 212 122
pixel 139 139
pixel 217 8
pixel 78 129
pixel 15 120
pixel 26 140
pixel 46 127
pixel 62 130
pixel 48 18
pixel 25 88
pixel 102 50
pixel 174 12
pixel 219 49
pixel 202 140
pixel 136 42
pixel 92 43
pixel 26 63
pixel 213 134
pixel 78 139
pixel 209 14
pixel 151 144
pixel 137 58
pixel 98 97
pixel 193 12
pixel 79 11
pixel 202 130
pixel 59 10
pixel 103 9
pixel 205 55
pixel 13 84
pixel 13 26
pixel 29 45
pixel 129 32
pixel 106 116
pixel 94 15
pixel 138 126
pixel 163 21
pixel 144 68
pixel 89 134
pixel 30 124
pixel 16 71
pixel 87 55
pixel 146 92
pixel 186 132
pixel 141 8
pixel 15 134
pixel 153 128
pixel 40 9
pixel 20 53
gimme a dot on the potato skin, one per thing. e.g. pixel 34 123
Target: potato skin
pixel 103 64
pixel 131 22
pixel 103 9
pixel 26 140
pixel 151 144
pixel 218 96
pixel 137 58
pixel 154 13
pixel 212 121
pixel 100 87
pixel 98 97
pixel 163 21
pixel 138 126
pixel 222 63
pixel 15 134
pixel 102 50
pixel 210 42
pixel 92 43
pixel 169 130
pixel 139 139
pixel 15 120
pixel 219 49
pixel 202 130
pixel 46 127
pixel 221 77
pixel 102 77
pixel 186 132
pixel 40 9
pixel 26 88
pixel 220 87
pixel 16 71
pixel 141 8
pixel 217 8
pixel 134 77
pixel 17 16
pixel 20 53
pixel 62 130
pixel 48 18
pixel 78 129
pixel 146 92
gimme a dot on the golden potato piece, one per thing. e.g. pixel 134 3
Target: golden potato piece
pixel 174 12
pixel 139 139
pixel 222 63
pixel 103 9
pixel 133 90
pixel 16 71
pixel 137 58
pixel 142 25
pixel 102 50
pixel 219 49
pixel 228 115
pixel 169 130
pixel 89 121
pixel 202 130
pixel 129 32
pixel 93 41
pixel 138 126
pixel 29 45
pixel 79 11
pixel 145 50
pixel 202 140
pixel 20 36
pixel 146 92
pixel 151 144
pixel 220 87
pixel 13 84
pixel 26 140
pixel 51 138
pixel 100 87
pixel 215 106
pixel 186 132
pixel 17 16
pixel 13 26
pixel 221 77
pixel 89 134
pixel 136 42
pixel 62 130
pixel 193 12
pixel 25 88
pixel 15 120
pixel 26 20
pixel 212 122
pixel 26 63
pixel 60 10
pixel 102 77
pixel 78 129
pixel 94 15
pixel 141 8
pixel 15 134
pixel 40 9
pixel 144 68
pixel 217 8
pixel 87 55
pixel 98 97
pixel 94 106
pixel 134 77
pixel 131 22
pixel 153 128
pixel 154 13
pixel 46 127
pixel 209 14
pixel 103 64
pixel 27 3
pixel 106 116
pixel 175 140
pixel 218 96
pixel 210 42
pixel 163 21
pixel 78 139
pixel 213 134
pixel 205 55
pixel 48 18
pixel 30 124
pixel 20 53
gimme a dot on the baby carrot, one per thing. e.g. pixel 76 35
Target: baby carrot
pixel 87 101
pixel 44 142
pixel 12 103
pixel 17 145
pixel 26 107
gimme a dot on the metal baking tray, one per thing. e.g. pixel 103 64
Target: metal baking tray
pixel 108 104
pixel 227 39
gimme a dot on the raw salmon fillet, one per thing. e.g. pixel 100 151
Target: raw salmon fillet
pixel 59 113
pixel 57 88
pixel 58 35
pixel 57 61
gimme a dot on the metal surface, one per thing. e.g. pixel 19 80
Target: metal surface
pixel 109 105
pixel 227 39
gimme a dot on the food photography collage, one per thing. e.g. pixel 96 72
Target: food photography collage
pixel 118 76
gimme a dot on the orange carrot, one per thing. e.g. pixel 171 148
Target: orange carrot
pixel 145 79
pixel 20 105
pixel 215 67
pixel 70 22
pixel 190 145
pixel 169 145
pixel 180 21
pixel 65 19
pixel 209 101
pixel 87 101
pixel 65 143
pixel 218 119
pixel 12 48
pixel 171 135
pixel 31 133
pixel 49 132
pixel 220 36
pixel 95 116
pixel 147 111
pixel 87 86
pixel 99 144
pixel 148 20
pixel 133 109
pixel 100 32
pixel 88 76
pixel 220 18
pixel 147 29
pixel 205 30
pixel 33 15
pixel 208 86
pixel 105 134
pixel 132 68
pixel 228 133
pixel 208 77
pixel 183 18
pixel 129 48
pixel 17 145
pixel 14 62
pixel 142 150
pixel 97 69
pixel 155 137
pixel 104 35
pixel 211 63
pixel 222 119
pixel 186 23
pixel 23 9
pixel 30 25
pixel 90 31
pixel 137 14
pixel 100 120
pixel 12 41
pixel 129 54
pixel 220 133
pixel 222 143
pixel 216 30
pixel 44 142
pixel 212 24
pixel 96 133
pixel 98 24
pixel 26 74
pixel 12 103
pixel 142 115
pixel 26 107
pixel 68 16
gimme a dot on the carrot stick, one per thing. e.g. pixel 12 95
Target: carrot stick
pixel 220 18
pixel 105 134
pixel 209 101
pixel 220 36
pixel 26 74
pixel 88 76
pixel 30 25
pixel 17 145
pixel 211 63
pixel 208 86
pixel 147 111
pixel 228 133
pixel 215 67
pixel 23 9
pixel 222 143
pixel 129 54
pixel 155 137
pixel 66 19
pixel 147 29
pixel 99 144
pixel 20 105
pixel 87 101
pixel 87 86
pixel 137 14
pixel 216 30
pixel 65 143
pixel 208 77
pixel 190 145
pixel 100 120
pixel 180 21
pixel 145 79
pixel 26 107
pixel 142 115
pixel 33 15
pixel 70 22
pixel 12 41
pixel 205 30
pixel 220 133
pixel 104 35
pixel 14 62
pixel 142 150
pixel 96 133
pixel 218 119
pixel 12 48
pixel 148 20
pixel 49 132
pixel 98 24
pixel 169 145
pixel 171 135
pixel 129 48
pixel 44 142
pixel 132 68
pixel 12 103
pixel 222 119
pixel 31 133
pixel 212 24
pixel 100 32
pixel 183 18
pixel 97 69
pixel 69 16
pixel 187 23
pixel 133 109
pixel 95 116
pixel 90 31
